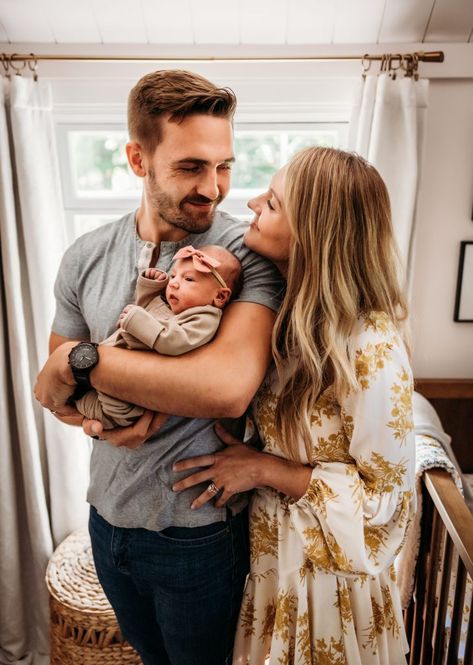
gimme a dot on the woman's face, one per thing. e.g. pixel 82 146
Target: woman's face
pixel 269 233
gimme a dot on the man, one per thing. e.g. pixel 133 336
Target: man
pixel 173 575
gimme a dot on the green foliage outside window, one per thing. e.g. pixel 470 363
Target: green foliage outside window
pixel 100 164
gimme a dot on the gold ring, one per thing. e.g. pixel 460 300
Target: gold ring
pixel 213 489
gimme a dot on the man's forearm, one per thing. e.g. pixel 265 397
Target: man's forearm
pixel 197 384
pixel 215 381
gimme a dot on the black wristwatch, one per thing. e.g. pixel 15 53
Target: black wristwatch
pixel 83 358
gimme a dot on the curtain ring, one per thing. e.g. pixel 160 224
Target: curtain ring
pixel 6 64
pixel 33 66
pixel 404 64
pixel 16 69
pixel 365 65
pixel 415 66
pixel 412 64
pixel 384 62
pixel 392 59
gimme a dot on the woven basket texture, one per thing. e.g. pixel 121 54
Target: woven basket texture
pixel 84 630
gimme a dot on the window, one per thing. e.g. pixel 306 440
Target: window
pixel 260 150
pixel 98 185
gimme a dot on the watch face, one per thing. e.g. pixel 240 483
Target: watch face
pixel 83 356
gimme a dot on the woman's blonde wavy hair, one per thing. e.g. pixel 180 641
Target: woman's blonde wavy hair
pixel 343 264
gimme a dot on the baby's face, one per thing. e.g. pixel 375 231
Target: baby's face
pixel 189 287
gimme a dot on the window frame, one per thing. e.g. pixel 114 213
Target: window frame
pixel 234 203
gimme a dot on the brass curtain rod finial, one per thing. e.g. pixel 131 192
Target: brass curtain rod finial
pixel 431 56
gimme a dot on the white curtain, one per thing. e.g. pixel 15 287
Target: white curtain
pixel 43 464
pixel 387 127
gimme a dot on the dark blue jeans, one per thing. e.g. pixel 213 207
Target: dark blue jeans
pixel 177 592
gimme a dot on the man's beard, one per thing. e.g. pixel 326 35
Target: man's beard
pixel 174 214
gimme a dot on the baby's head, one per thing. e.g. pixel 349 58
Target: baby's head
pixel 210 275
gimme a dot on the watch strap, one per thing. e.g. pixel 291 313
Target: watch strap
pixel 83 386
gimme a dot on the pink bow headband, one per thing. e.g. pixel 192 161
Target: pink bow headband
pixel 202 262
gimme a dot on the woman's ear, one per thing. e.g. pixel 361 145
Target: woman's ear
pixel 135 155
pixel 222 297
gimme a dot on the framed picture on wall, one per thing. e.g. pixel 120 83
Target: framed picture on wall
pixel 464 295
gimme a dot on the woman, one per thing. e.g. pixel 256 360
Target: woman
pixel 334 482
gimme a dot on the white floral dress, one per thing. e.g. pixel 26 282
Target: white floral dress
pixel 322 586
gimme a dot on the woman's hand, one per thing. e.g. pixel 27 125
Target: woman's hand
pixel 235 469
pixel 129 437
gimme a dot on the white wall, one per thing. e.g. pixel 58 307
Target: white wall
pixel 443 348
pixel 323 91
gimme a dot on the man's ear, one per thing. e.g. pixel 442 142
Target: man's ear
pixel 136 158
pixel 223 296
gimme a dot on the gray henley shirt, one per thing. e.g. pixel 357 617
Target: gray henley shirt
pixel 96 279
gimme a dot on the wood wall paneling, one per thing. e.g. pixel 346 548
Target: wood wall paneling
pixel 453 401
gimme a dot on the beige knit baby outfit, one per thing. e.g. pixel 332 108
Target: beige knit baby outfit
pixel 150 325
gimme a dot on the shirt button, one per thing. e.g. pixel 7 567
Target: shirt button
pixel 149 244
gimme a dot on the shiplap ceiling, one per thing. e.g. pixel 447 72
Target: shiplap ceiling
pixel 233 22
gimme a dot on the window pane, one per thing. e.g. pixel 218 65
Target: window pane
pixel 99 164
pixel 259 153
pixel 257 156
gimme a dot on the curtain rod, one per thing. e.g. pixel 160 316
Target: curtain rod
pixel 420 56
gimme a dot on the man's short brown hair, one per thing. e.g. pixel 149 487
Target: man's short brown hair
pixel 176 93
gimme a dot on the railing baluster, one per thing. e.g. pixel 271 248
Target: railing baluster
pixel 468 657
pixel 457 614
pixel 431 586
pixel 439 635
pixel 419 589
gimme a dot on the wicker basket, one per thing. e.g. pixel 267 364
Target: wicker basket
pixel 84 630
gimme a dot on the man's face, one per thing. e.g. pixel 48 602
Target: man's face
pixel 189 173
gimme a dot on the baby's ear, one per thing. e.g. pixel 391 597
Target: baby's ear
pixel 222 297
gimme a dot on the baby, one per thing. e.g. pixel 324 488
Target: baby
pixel 196 292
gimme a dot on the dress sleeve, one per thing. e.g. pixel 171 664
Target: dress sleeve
pixel 354 515
pixel 170 334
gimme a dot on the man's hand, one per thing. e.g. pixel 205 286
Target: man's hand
pixel 130 437
pixel 55 383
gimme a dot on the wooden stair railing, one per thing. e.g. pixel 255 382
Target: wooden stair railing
pixel 434 617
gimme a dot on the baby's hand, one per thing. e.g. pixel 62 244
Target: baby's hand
pixel 154 273
pixel 123 314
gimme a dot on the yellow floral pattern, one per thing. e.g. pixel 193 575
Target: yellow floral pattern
pixel 322 588
pixel 371 359
pixel 335 448
pixel 263 534
pixel 381 475
pixel 402 422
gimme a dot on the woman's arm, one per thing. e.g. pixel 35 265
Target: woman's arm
pixel 217 380
pixel 239 468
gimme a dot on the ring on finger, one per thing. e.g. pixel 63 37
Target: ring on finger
pixel 213 489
